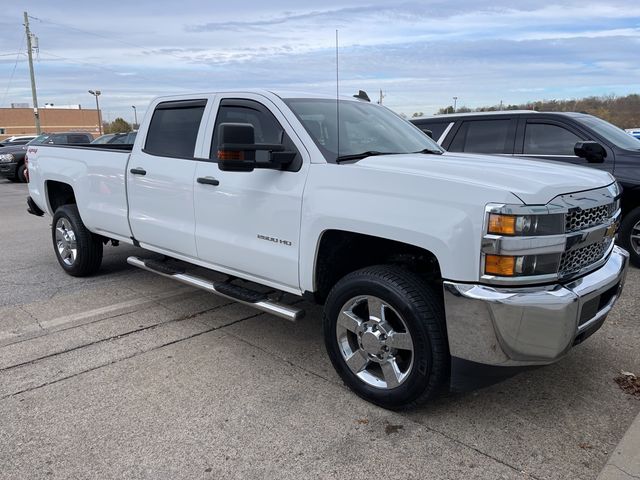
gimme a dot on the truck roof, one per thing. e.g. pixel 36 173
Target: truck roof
pixel 284 94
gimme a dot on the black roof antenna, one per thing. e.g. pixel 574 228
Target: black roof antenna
pixel 362 95
pixel 337 103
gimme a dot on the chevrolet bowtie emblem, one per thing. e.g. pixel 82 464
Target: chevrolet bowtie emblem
pixel 612 230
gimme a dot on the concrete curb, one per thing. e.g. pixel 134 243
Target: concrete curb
pixel 624 462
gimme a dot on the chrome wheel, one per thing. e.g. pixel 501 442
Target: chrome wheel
pixel 635 238
pixel 375 342
pixel 66 241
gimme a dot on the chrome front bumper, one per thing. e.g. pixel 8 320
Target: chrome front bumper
pixel 533 325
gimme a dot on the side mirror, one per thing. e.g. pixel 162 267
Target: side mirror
pixel 236 147
pixel 592 152
pixel 429 133
pixel 237 150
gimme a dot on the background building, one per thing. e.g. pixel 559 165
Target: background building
pixel 20 121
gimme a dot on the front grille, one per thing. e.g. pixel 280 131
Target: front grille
pixel 575 260
pixel 582 219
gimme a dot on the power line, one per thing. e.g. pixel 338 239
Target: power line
pixel 6 92
pixel 107 37
pixel 101 67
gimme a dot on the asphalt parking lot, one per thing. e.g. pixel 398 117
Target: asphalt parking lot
pixel 128 375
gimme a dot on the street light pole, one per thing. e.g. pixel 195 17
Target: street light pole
pixel 455 104
pixel 96 93
pixel 135 116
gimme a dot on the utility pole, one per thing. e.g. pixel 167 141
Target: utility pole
pixel 381 97
pixel 135 117
pixel 33 77
pixel 455 104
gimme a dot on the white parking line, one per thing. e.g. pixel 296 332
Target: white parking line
pixel 80 318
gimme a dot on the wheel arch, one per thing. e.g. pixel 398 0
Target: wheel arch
pixel 340 252
pixel 58 194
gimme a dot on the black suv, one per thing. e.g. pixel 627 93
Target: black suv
pixel 12 164
pixel 575 138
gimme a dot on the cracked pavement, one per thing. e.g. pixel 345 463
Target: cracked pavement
pixel 129 375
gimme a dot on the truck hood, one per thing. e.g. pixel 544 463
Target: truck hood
pixel 535 182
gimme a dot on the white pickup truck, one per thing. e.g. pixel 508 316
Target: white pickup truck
pixel 437 271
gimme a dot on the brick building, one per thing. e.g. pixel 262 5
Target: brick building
pixel 20 121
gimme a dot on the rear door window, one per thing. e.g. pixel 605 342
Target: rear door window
pixel 549 139
pixel 484 136
pixel 173 130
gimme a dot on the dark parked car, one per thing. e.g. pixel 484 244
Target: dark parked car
pixel 562 137
pixel 12 164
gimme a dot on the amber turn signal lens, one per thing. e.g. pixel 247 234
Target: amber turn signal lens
pixel 500 265
pixel 230 155
pixel 502 224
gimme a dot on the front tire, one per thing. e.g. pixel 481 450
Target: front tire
pixel 20 173
pixel 629 235
pixel 79 252
pixel 384 330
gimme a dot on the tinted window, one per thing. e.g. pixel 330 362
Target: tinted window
pixel 482 136
pixel 547 139
pixel 612 133
pixel 174 129
pixel 437 128
pixel 266 128
pixel 77 139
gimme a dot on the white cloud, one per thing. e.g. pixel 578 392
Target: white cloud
pixel 420 53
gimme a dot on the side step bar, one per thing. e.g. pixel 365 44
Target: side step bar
pixel 226 290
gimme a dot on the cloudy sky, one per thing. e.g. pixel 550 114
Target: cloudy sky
pixel 420 53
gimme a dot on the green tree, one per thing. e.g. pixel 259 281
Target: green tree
pixel 119 125
pixel 417 114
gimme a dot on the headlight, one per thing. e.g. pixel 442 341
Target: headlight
pixel 6 158
pixel 525 225
pixel 522 241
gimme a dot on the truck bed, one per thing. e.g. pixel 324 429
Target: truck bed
pixel 98 175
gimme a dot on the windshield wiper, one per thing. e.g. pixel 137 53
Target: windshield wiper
pixel 360 156
pixel 430 151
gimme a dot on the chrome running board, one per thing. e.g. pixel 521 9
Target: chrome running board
pixel 232 292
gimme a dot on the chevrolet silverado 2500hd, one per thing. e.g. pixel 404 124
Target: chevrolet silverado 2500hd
pixel 436 270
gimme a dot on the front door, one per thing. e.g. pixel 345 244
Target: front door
pixel 248 223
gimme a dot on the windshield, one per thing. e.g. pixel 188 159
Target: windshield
pixel 616 135
pixel 364 127
pixel 39 139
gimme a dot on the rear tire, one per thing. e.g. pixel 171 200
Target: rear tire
pixel 629 235
pixel 384 330
pixel 79 252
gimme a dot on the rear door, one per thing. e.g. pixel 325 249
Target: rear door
pixel 551 139
pixel 160 178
